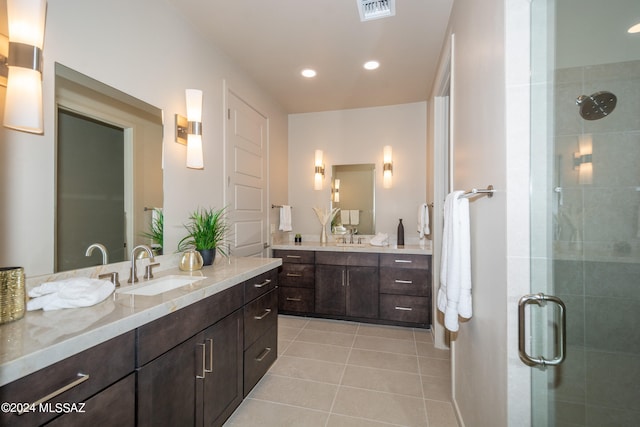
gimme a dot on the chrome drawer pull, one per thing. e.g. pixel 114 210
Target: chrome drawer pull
pixel 404 308
pixel 210 356
pixel 294 256
pixel 204 357
pixel 294 299
pixel 265 314
pixel 406 282
pixel 294 275
pixel 407 261
pixel 263 284
pixel 82 378
pixel 263 354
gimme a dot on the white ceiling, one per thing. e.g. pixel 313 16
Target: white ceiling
pixel 274 40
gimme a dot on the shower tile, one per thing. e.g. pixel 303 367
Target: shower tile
pixel 604 224
pixel 600 416
pixel 615 157
pixel 611 324
pixel 568 277
pixel 569 413
pixel 569 379
pixel 612 380
pixel 575 318
pixel 609 279
pixel 567 118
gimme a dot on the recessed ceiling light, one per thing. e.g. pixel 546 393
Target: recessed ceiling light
pixel 371 65
pixel 308 72
pixel 634 29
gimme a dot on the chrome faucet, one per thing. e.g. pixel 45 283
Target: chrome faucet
pixel 133 277
pixel 102 248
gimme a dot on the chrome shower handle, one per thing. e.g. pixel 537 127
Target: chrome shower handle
pixel 541 299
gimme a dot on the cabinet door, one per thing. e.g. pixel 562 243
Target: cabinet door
pixel 362 292
pixel 167 386
pixel 330 289
pixel 222 388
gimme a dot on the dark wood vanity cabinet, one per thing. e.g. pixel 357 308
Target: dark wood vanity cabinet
pixel 98 378
pixel 347 284
pixel 405 288
pixel 296 281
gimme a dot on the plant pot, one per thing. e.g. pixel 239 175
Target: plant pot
pixel 208 256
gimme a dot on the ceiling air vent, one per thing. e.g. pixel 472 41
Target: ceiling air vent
pixel 376 9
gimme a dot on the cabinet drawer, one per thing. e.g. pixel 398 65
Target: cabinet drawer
pixel 260 285
pixel 405 261
pixel 403 308
pixel 260 316
pixel 347 258
pixel 259 357
pixel 297 275
pixel 404 281
pixel 99 410
pixel 161 335
pixel 299 300
pixel 295 257
pixel 103 365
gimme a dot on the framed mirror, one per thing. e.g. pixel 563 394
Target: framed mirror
pixel 109 186
pixel 353 191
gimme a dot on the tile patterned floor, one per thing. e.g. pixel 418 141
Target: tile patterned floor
pixel 345 374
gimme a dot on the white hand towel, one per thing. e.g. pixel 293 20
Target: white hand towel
pixel 454 295
pixel 344 217
pixel 380 239
pixel 69 293
pixel 423 221
pixel 285 218
pixel 355 216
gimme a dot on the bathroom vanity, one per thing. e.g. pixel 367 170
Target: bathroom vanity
pixel 384 285
pixel 183 357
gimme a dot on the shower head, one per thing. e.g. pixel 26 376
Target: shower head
pixel 596 106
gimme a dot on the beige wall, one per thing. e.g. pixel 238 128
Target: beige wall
pixel 358 136
pixel 490 135
pixel 142 48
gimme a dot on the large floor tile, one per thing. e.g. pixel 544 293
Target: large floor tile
pixel 385 344
pixel 377 406
pixel 292 321
pixel 327 353
pixel 423 335
pixel 324 337
pixel 345 421
pixel 292 391
pixel 386 332
pixel 254 413
pixel 436 388
pixel 391 361
pixel 308 369
pixel 287 333
pixel 428 350
pixel 332 326
pixel 383 380
pixel 434 367
pixel 440 414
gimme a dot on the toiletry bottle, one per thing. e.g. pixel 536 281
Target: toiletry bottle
pixel 400 234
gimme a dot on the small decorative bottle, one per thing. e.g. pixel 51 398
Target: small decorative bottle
pixel 400 234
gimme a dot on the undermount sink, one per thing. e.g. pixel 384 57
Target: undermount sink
pixel 159 285
pixel 356 245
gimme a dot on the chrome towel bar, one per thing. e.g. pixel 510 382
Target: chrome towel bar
pixel 479 192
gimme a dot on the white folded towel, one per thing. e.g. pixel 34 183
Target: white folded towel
pixel 380 239
pixel 69 293
pixel 355 216
pixel 285 218
pixel 454 295
pixel 344 217
pixel 423 221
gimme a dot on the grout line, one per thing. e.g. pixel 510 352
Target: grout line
pixel 424 401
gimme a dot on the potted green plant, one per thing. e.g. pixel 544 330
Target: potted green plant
pixel 207 233
pixel 156 232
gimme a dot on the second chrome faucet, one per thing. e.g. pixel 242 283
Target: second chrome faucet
pixel 133 277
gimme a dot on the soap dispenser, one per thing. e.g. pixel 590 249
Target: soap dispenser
pixel 400 234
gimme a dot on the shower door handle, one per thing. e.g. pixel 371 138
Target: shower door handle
pixel 541 300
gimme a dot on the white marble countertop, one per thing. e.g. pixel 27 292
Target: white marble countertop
pixel 334 247
pixel 41 338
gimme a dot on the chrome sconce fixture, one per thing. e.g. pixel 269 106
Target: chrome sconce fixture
pixel 387 167
pixel 23 65
pixel 189 129
pixel 319 171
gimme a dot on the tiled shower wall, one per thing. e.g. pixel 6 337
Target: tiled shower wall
pixel 596 248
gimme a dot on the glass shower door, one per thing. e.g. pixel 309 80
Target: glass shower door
pixel 585 217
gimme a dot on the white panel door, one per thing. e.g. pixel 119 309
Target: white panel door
pixel 246 151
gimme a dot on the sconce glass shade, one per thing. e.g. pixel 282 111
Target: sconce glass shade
pixel 319 171
pixel 23 102
pixel 387 167
pixel 336 190
pixel 195 158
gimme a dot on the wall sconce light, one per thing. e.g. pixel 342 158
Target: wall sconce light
pixel 387 167
pixel 189 129
pixel 319 171
pixel 583 160
pixel 23 102
pixel 336 190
